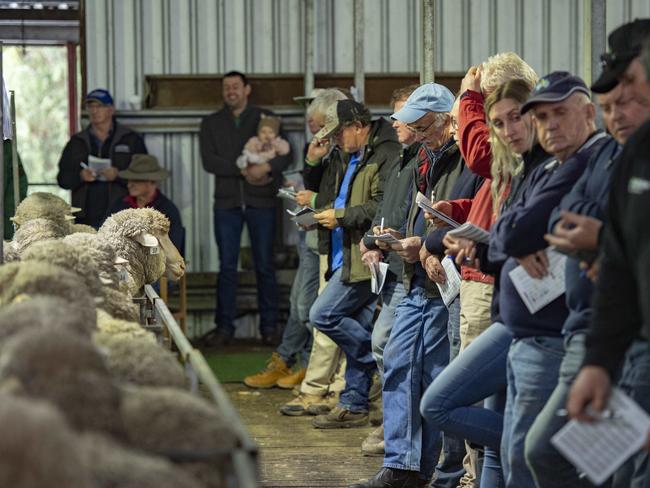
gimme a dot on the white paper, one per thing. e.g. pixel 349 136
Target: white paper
pixel 451 288
pixel 97 165
pixel 597 449
pixel 471 232
pixel 378 276
pixel 303 216
pixel 536 294
pixel 287 193
pixel 427 205
pixel 387 238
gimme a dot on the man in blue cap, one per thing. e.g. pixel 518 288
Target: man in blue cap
pixel 94 189
pixel 418 348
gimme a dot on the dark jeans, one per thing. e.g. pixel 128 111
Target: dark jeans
pixel 228 225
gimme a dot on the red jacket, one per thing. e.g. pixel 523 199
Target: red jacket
pixel 475 148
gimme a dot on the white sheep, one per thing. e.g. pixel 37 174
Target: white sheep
pixel 37 448
pixel 182 427
pixel 32 231
pixel 141 237
pixel 67 371
pixel 44 205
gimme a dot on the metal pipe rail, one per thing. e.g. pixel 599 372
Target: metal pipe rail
pixel 156 316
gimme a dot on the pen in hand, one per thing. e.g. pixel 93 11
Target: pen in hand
pixel 381 226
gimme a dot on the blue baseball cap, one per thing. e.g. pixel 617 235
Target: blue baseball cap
pixel 100 95
pixel 430 97
pixel 555 87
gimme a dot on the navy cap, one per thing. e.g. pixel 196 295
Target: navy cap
pixel 430 97
pixel 341 113
pixel 624 45
pixel 555 87
pixel 100 95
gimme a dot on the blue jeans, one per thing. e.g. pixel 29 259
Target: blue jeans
pixel 479 372
pixel 228 225
pixel 533 370
pixel 343 312
pixel 297 337
pixel 635 381
pixel 417 351
pixel 548 467
pixel 453 328
pixel 391 295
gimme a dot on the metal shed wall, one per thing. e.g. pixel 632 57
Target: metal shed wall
pixel 126 39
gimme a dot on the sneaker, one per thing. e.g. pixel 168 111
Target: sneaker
pixel 373 445
pixel 293 379
pixel 341 418
pixel 275 369
pixel 299 405
pixel 393 478
pixel 327 403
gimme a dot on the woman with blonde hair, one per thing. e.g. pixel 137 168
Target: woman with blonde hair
pixel 479 372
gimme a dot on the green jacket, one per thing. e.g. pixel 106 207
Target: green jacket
pixel 440 179
pixel 365 192
pixel 10 209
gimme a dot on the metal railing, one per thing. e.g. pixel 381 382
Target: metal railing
pixel 155 316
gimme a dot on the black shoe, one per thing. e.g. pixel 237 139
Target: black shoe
pixel 392 478
pixel 214 338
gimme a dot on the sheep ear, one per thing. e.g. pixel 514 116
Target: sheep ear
pixel 13 219
pixel 146 239
pixel 105 280
pixel 75 209
pixel 120 260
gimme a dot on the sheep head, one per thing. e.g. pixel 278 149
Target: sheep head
pixel 44 205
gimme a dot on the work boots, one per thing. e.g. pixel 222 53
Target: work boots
pixel 275 369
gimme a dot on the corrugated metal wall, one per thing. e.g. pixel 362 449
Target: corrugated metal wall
pixel 126 39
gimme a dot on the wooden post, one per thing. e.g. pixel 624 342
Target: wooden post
pixel 428 59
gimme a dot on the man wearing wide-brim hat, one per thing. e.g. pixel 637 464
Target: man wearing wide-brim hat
pixel 142 177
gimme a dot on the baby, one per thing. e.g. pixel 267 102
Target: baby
pixel 266 145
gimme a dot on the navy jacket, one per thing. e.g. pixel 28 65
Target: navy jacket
pixel 520 230
pixel 165 206
pixel 588 197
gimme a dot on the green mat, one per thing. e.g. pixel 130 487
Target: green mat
pixel 233 367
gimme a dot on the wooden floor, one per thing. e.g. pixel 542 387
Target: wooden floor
pixel 293 453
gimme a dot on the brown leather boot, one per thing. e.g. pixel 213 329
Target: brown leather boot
pixel 275 369
pixel 294 379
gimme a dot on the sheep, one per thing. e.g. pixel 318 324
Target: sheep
pixel 182 427
pixel 34 230
pixel 38 278
pixel 83 229
pixel 67 256
pixel 44 205
pixel 66 370
pixel 46 312
pixel 108 326
pixel 141 362
pixel 114 465
pixel 37 448
pixel 140 236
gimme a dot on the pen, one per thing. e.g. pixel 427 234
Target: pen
pixel 381 226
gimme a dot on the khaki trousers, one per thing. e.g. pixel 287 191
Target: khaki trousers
pixel 475 304
pixel 326 368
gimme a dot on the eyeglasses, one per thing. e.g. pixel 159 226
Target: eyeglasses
pixel 421 132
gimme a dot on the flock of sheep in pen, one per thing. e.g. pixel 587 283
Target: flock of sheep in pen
pixel 88 398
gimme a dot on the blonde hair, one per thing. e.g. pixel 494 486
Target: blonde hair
pixel 505 163
pixel 503 67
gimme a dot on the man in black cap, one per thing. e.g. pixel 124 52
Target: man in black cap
pixel 142 178
pixel 94 189
pixel 344 309
pixel 622 309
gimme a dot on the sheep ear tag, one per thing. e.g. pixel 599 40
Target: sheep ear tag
pixel 148 240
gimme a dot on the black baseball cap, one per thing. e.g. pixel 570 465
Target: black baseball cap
pixel 555 87
pixel 624 45
pixel 341 113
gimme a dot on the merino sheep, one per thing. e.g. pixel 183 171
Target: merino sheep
pixel 113 465
pixel 37 448
pixel 141 237
pixel 34 230
pixel 83 229
pixel 38 278
pixel 44 205
pixel 46 312
pixel 67 256
pixel 141 362
pixel 108 326
pixel 66 370
pixel 182 427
